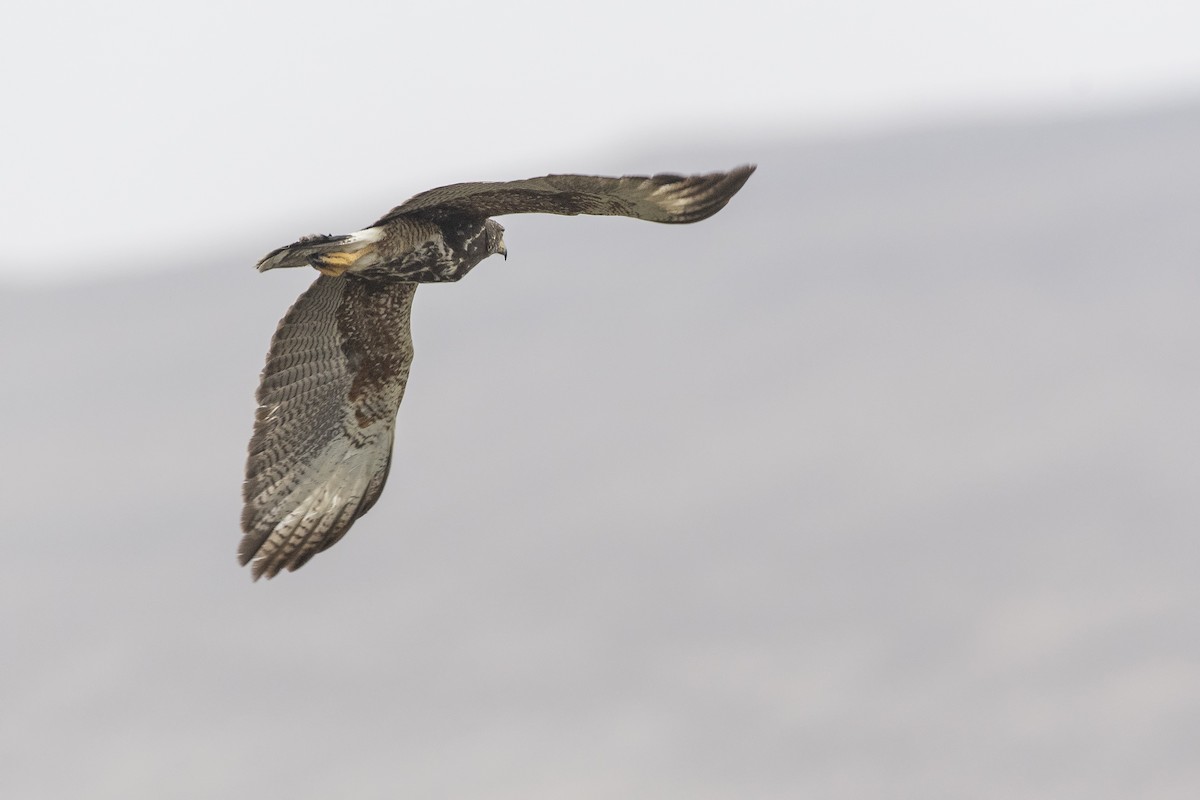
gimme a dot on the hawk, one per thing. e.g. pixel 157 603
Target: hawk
pixel 339 361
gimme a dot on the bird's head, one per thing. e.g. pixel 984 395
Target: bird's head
pixel 494 233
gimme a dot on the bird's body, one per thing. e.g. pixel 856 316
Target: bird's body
pixel 339 361
pixel 408 249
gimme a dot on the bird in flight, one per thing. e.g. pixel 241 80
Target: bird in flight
pixel 339 360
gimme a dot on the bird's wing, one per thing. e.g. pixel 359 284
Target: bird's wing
pixel 327 406
pixel 658 198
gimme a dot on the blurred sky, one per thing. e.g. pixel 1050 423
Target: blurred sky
pixel 136 128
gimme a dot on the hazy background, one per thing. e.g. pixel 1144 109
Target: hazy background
pixel 880 483
pixel 151 129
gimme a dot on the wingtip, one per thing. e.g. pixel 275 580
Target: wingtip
pixel 736 178
pixel 245 557
pixel 693 198
pixel 259 567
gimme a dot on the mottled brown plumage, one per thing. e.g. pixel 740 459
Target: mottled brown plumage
pixel 322 440
pixel 658 198
pixel 339 361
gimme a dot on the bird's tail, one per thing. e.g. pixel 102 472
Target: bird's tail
pixel 331 255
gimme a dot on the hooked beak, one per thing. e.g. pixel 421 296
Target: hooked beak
pixel 502 250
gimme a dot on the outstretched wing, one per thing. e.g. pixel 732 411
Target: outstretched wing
pixel 328 398
pixel 658 198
